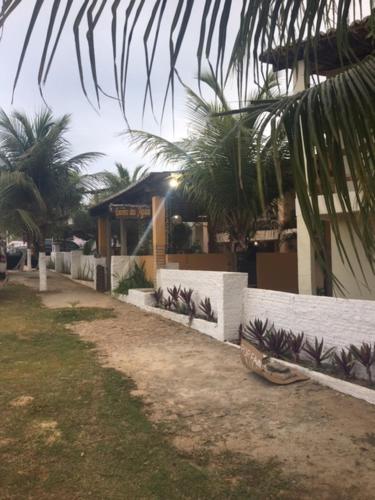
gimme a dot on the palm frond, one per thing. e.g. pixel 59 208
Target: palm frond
pixel 230 36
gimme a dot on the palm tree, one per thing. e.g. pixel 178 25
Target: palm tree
pixel 330 126
pixel 113 182
pixel 40 184
pixel 219 160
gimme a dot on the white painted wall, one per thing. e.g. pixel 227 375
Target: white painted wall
pixel 87 267
pixel 66 262
pixel 354 284
pixel 339 321
pixel 120 267
pixel 223 288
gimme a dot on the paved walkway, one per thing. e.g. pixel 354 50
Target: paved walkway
pixel 198 387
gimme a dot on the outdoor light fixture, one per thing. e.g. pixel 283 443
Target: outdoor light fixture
pixel 173 182
pixel 256 243
pixel 176 219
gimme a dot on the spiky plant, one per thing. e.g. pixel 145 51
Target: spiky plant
pixel 175 295
pixel 168 303
pixel 344 362
pixel 255 331
pixel 159 297
pixel 276 342
pixel 331 123
pixel 365 354
pixel 206 308
pixel 295 343
pixel 317 352
pixel 188 304
pixel 186 296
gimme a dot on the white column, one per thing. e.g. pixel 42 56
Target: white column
pixel 42 272
pixel 306 260
pixel 59 262
pixel 205 237
pixel 75 264
pixel 305 249
pixel 29 265
pixel 123 238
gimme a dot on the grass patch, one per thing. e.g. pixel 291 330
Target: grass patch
pixel 71 429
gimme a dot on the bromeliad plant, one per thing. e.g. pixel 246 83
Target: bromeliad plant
pixel 159 297
pixel 206 308
pixel 256 332
pixel 317 352
pixel 344 362
pixel 276 341
pixel 181 301
pixel 135 279
pixel 365 355
pixel 175 295
pixel 295 343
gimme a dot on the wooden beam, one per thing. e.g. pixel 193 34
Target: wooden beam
pixel 158 231
pixel 123 237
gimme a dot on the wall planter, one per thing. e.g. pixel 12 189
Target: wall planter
pixel 343 386
pixel 143 298
pixel 337 384
pixel 201 325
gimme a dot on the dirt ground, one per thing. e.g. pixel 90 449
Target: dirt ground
pixel 199 389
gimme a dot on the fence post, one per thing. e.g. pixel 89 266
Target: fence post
pixel 59 262
pixel 75 264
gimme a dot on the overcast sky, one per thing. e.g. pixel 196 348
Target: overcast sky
pixel 91 130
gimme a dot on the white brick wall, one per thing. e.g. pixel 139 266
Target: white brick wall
pixel 120 267
pixel 224 290
pixel 339 321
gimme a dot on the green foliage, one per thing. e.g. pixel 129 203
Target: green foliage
pixel 40 185
pixel 66 316
pixel 113 182
pixel 135 279
pixel 330 126
pixel 219 159
pixel 88 247
pixel 85 434
pixel 180 236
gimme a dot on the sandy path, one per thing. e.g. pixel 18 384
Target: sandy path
pixel 199 388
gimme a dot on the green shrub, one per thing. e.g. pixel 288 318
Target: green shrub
pixel 135 279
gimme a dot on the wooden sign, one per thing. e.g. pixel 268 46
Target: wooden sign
pixel 130 211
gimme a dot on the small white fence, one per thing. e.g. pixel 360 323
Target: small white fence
pixel 340 322
pixel 78 266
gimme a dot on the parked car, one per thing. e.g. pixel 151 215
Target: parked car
pixel 3 262
pixel 65 246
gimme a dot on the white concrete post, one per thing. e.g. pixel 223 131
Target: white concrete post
pixel 205 237
pixel 42 272
pixel 29 265
pixel 75 265
pixel 306 260
pixel 59 262
pixel 234 285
